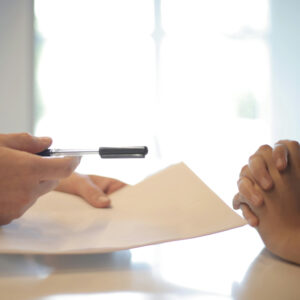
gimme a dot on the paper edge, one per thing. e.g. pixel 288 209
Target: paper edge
pixel 116 249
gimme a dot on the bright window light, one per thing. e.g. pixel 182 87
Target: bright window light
pixel 190 79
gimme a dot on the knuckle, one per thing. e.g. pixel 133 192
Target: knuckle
pixel 241 183
pixel 279 148
pixel 25 136
pixel 258 170
pixel 294 145
pixel 244 170
pixel 265 148
pixel 281 142
pixel 252 157
pixel 243 186
pixel 284 144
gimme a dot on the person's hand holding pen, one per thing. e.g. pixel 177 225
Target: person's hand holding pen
pixel 25 176
pixel 95 189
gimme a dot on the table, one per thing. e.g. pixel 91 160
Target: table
pixel 227 265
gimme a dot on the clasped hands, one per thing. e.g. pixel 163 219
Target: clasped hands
pixel 25 176
pixel 269 197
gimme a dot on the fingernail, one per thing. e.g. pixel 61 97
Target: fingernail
pixel 265 183
pixel 103 199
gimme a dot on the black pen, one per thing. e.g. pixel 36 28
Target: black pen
pixel 104 152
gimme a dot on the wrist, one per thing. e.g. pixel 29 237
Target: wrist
pixel 287 245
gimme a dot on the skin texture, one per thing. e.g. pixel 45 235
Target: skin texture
pixel 257 171
pixel 94 189
pixel 278 210
pixel 25 176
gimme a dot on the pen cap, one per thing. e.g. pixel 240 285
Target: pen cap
pixel 118 152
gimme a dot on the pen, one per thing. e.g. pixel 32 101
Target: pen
pixel 104 152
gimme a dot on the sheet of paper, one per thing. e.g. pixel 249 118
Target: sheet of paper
pixel 173 204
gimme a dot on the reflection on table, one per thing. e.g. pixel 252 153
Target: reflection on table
pixel 228 265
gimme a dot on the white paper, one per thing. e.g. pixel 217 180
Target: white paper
pixel 173 204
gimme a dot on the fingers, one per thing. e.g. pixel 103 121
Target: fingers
pixel 280 156
pixel 249 215
pixel 239 203
pixel 25 142
pixel 92 188
pixel 56 168
pixel 92 193
pixel 114 186
pixel 259 170
pixel 247 188
pixel 236 202
pixel 108 185
pixel 292 151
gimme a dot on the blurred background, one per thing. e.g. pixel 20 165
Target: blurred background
pixel 204 82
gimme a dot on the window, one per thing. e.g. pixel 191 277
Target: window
pixel 187 78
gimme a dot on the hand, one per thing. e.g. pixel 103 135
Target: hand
pixel 25 176
pixel 279 215
pixel 94 189
pixel 257 171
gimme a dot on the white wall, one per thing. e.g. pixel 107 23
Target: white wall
pixel 16 65
pixel 285 62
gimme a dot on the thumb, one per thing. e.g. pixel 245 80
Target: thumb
pixel 25 142
pixel 93 194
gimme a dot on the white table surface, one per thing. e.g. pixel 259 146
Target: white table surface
pixel 227 265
